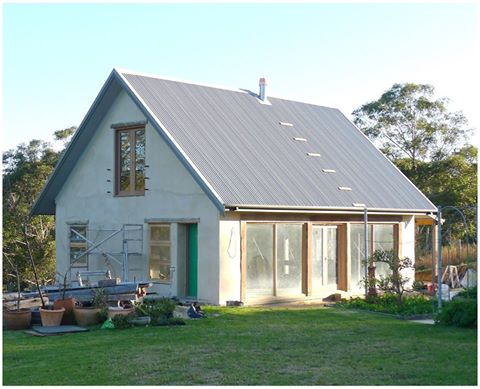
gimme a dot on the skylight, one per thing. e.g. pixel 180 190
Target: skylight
pixel 298 139
pixel 358 205
pixel 344 188
pixel 313 154
pixel 329 171
pixel 286 124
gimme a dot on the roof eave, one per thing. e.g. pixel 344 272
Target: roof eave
pixel 326 209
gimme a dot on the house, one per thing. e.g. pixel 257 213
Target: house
pixel 224 194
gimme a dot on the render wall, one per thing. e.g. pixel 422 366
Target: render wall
pixel 88 196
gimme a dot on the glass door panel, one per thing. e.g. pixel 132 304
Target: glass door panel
pixel 289 259
pixel 317 257
pixel 331 255
pixel 324 258
pixel 259 280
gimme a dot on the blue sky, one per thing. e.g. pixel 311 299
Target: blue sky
pixel 57 56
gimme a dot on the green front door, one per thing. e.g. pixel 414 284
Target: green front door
pixel 192 268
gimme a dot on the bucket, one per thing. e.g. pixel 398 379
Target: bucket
pixel 430 288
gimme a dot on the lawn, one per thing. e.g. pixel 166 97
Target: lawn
pixel 250 346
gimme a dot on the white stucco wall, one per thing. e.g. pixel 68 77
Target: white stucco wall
pixel 230 274
pixel 172 193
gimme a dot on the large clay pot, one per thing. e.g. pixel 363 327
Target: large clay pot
pixel 68 304
pixel 17 320
pixel 86 316
pixel 51 317
pixel 114 311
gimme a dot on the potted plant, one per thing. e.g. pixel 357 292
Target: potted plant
pixel 124 309
pixel 91 315
pixel 18 318
pixel 65 302
pixel 49 317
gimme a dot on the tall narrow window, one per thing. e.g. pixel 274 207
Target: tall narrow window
pixel 130 161
pixel 160 252
pixel 78 245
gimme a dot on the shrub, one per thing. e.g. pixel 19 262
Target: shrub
pixel 121 321
pixel 468 293
pixel 160 309
pixel 388 303
pixel 459 313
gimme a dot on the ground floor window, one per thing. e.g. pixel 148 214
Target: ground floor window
pixel 78 245
pixel 159 252
pixel 274 259
pixel 380 237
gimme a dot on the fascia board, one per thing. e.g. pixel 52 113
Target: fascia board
pixel 172 143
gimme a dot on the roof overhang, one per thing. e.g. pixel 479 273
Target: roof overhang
pixel 427 213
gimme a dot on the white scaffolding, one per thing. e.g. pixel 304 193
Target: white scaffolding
pixel 129 237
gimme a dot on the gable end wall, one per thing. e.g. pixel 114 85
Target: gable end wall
pixel 172 193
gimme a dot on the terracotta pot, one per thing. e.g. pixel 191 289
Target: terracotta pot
pixel 114 311
pixel 68 304
pixel 51 317
pixel 86 316
pixel 17 320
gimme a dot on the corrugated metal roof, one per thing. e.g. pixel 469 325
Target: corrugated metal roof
pixel 249 158
pixel 243 152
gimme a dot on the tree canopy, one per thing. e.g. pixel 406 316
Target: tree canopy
pixel 25 171
pixel 408 122
pixel 427 142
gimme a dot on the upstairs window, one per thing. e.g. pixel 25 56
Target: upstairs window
pixel 130 161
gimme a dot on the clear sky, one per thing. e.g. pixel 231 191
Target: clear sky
pixel 56 57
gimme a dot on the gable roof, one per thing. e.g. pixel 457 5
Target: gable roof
pixel 242 154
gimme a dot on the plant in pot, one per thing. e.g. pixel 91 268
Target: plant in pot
pixel 65 302
pixel 124 308
pixel 17 318
pixel 49 317
pixel 95 312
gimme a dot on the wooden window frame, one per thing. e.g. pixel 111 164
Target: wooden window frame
pixel 80 244
pixel 160 243
pixel 243 255
pixel 131 130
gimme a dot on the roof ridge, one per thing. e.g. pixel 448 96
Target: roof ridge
pixel 174 79
pixel 231 89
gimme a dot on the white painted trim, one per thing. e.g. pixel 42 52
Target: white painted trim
pixel 171 138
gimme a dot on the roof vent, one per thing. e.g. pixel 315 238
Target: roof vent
pixel 262 94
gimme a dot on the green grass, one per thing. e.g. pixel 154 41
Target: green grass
pixel 250 346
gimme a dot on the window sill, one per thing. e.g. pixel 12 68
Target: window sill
pixel 129 194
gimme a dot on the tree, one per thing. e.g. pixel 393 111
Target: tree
pixel 427 143
pixel 395 281
pixel 25 171
pixel 408 123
